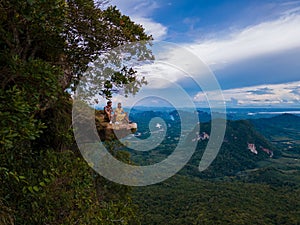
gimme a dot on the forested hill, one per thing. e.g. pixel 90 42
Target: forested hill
pixel 185 200
pixel 243 147
pixel 246 145
pixel 253 180
pixel 281 128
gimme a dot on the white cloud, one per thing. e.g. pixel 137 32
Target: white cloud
pixel 263 95
pixel 291 11
pixel 262 39
pixel 160 75
pixel 140 8
pixel 157 30
pixel 140 12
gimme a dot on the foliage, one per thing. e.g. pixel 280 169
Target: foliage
pixel 234 155
pixel 59 189
pixel 282 130
pixel 68 35
pixel 34 89
pixel 182 200
pixel 18 125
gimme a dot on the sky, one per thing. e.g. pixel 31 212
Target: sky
pixel 252 47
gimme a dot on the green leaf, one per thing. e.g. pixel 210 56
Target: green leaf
pixel 36 188
pixel 30 189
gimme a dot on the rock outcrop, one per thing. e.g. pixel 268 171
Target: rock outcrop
pixel 112 131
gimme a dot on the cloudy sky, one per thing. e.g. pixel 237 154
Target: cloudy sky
pixel 252 46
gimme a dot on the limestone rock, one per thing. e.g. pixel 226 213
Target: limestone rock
pixel 112 131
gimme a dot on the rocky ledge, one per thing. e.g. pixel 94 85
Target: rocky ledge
pixel 112 131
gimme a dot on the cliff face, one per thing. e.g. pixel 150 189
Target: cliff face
pixel 112 131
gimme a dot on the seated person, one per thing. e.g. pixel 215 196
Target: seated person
pixel 120 115
pixel 108 111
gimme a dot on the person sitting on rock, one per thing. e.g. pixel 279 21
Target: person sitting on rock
pixel 120 115
pixel 108 111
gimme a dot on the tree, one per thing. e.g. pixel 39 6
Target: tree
pixel 45 48
pixel 67 35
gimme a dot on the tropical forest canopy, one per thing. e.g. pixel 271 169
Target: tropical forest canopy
pixel 45 47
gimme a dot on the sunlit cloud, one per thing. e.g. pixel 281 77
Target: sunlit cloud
pixel 140 8
pixel 267 38
pixel 157 30
pixel 140 12
pixel 261 39
pixel 287 94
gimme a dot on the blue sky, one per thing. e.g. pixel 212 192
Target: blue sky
pixel 252 46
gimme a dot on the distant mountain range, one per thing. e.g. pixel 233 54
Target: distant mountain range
pixel 281 128
pixel 231 113
pixel 252 146
pixel 255 178
pixel 243 147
